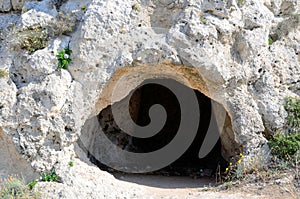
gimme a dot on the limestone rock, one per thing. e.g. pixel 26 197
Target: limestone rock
pixel 220 48
pixel 84 181
pixel 11 161
pixel 5 5
pixel 38 13
pixel 18 4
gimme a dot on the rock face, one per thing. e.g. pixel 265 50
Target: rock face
pixel 5 5
pixel 11 161
pixel 244 55
pixel 8 5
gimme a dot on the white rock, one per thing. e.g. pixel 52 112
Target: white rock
pixel 18 4
pixel 11 162
pixel 44 111
pixel 5 5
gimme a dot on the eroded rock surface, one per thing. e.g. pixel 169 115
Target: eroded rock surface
pixel 11 162
pixel 226 43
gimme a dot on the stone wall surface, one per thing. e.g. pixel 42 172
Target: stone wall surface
pixel 225 43
pixel 9 5
pixel 5 5
pixel 11 162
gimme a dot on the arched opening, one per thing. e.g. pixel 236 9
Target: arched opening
pixel 141 100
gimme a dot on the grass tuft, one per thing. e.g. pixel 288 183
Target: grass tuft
pixel 15 188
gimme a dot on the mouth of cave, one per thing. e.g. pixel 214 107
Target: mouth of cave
pixel 141 100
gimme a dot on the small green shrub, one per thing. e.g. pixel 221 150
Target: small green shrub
pixel 136 7
pixel 32 184
pixel 83 8
pixel 234 170
pixel 227 185
pixel 32 39
pixel 285 146
pixel 49 177
pixel 36 38
pixel 270 41
pixel 15 188
pixel 241 2
pixel 3 74
pixel 71 164
pixel 292 107
pixel 202 18
pixel 64 58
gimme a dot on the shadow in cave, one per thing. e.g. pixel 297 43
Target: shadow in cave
pixel 141 100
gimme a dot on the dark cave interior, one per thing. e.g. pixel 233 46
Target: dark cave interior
pixel 189 164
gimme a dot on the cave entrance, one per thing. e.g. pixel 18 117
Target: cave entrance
pixel 141 100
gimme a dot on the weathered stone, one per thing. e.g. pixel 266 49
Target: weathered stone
pixel 219 48
pixel 5 5
pixel 11 162
pixel 18 4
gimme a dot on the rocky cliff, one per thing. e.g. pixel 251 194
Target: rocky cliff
pixel 242 54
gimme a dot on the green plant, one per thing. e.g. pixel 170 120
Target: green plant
pixel 15 188
pixel 285 146
pixel 83 8
pixel 49 177
pixel 270 41
pixel 64 58
pixel 202 18
pixel 136 7
pixel 71 164
pixel 280 164
pixel 292 107
pixel 227 185
pixel 3 74
pixel 240 2
pixel 32 184
pixel 32 39
pixel 235 170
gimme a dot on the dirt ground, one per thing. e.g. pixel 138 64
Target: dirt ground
pixel 177 187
